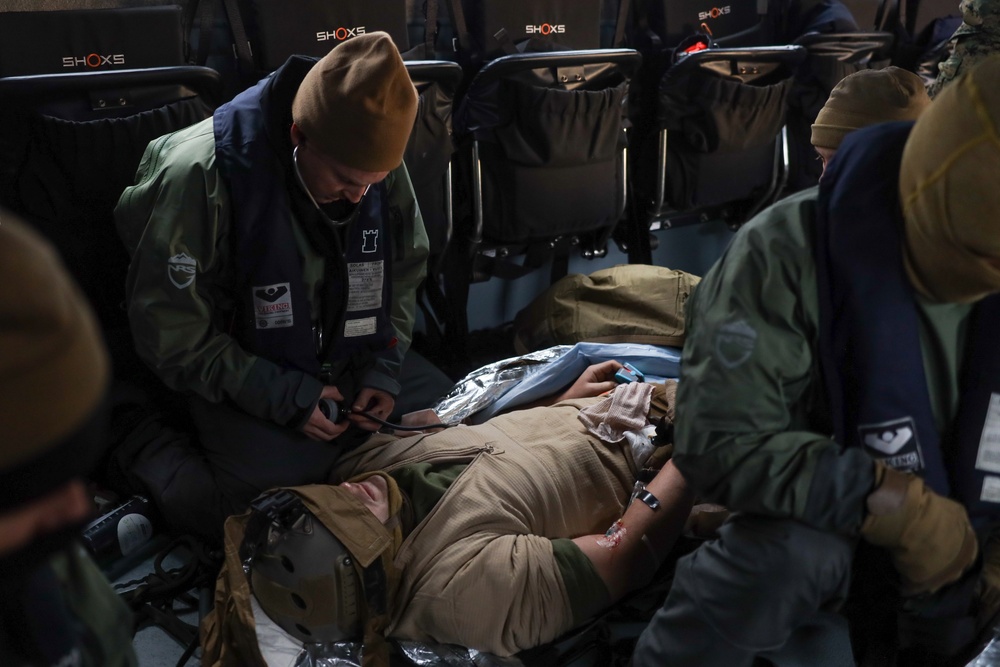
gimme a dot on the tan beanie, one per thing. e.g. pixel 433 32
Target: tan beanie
pixel 865 98
pixel 54 368
pixel 357 104
pixel 949 186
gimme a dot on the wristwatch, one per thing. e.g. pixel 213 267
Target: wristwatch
pixel 639 491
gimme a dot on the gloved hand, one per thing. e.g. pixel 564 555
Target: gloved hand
pixel 928 536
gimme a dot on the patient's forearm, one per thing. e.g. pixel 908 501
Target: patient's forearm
pixel 595 380
pixel 630 563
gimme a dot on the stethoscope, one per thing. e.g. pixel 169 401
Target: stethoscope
pixel 305 188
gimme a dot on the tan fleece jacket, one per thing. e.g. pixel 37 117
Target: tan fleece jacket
pixel 479 569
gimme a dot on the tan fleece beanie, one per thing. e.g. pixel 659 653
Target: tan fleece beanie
pixel 54 368
pixel 949 186
pixel 865 98
pixel 357 104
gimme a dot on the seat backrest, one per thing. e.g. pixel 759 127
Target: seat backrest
pixel 549 131
pixel 120 34
pixel 564 25
pixel 477 31
pixel 714 150
pixel 539 168
pixel 316 26
pixel 430 148
pixel 674 20
pixel 833 56
pixel 67 41
pixel 830 58
pixel 664 30
pixel 265 33
pixel 71 143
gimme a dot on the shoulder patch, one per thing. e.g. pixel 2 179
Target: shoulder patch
pixel 181 269
pixel 734 343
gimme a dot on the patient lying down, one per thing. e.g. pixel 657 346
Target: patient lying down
pixel 498 537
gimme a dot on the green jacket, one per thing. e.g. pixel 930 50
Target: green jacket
pixel 181 205
pixel 107 622
pixel 753 427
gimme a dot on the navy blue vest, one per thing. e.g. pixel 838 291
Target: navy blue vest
pixel 869 335
pixel 253 151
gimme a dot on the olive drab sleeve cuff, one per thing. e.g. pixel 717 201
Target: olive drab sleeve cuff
pixel 836 499
pixel 277 394
pixel 378 380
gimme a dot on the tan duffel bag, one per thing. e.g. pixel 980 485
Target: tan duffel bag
pixel 630 303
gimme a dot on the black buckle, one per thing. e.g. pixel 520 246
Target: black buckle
pixel 282 508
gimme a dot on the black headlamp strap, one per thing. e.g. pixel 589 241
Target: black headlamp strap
pixel 375 652
pixel 281 508
pixel 376 588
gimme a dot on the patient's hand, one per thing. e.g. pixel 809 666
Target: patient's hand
pixel 594 381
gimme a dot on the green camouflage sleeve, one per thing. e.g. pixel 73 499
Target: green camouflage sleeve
pixel 976 39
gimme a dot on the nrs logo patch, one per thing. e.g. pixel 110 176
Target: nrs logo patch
pixel 272 306
pixel 734 343
pixel 181 269
pixel 895 442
